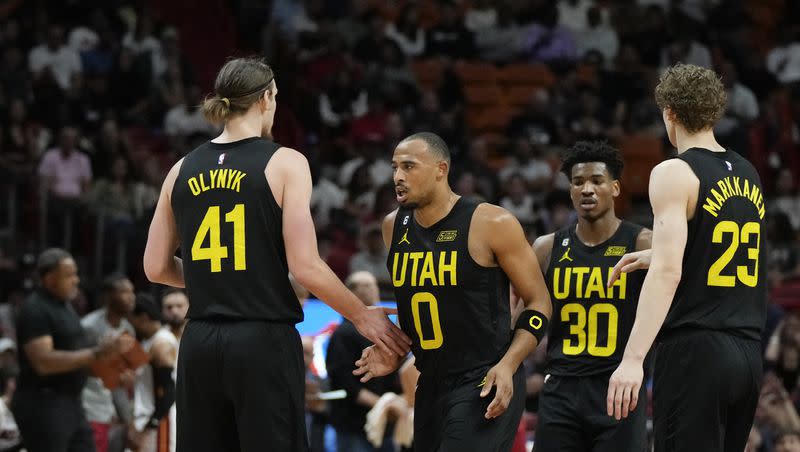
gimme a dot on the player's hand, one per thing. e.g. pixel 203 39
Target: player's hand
pixel 500 376
pixel 375 362
pixel 623 388
pixel 374 324
pixel 638 260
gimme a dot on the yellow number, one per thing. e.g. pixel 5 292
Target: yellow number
pixel 715 278
pixel 215 252
pixel 611 342
pixel 236 216
pixel 433 305
pixel 575 329
pixel 752 253
pixel 579 329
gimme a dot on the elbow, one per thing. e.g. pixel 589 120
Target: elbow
pixel 40 367
pixel 154 270
pixel 670 275
pixel 305 269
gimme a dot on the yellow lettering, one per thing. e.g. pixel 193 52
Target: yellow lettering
pixel 731 191
pixel 580 272
pixel 717 196
pixel 723 189
pixel 238 181
pixel 428 272
pixel 746 191
pixel 203 185
pixel 213 174
pixel 398 280
pixel 561 292
pixel 222 177
pixel 738 187
pixel 415 257
pixel 194 186
pixel 595 283
pixel 620 283
pixel 754 193
pixel 448 268
pixel 711 207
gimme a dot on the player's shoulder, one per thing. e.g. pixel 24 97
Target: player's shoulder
pixel 674 167
pixel 290 157
pixel 493 215
pixel 544 242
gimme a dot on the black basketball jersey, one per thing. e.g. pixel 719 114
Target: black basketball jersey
pixel 722 285
pixel 456 312
pixel 231 232
pixel 591 323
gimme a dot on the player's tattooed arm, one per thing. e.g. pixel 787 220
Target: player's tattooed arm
pixel 671 185
pixel 638 260
pixel 160 263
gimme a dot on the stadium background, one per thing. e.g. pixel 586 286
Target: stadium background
pixel 508 84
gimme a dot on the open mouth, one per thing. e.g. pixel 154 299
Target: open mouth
pixel 401 193
pixel 588 203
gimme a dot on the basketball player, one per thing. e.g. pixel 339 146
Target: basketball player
pixel 451 260
pixel 704 295
pixel 592 322
pixel 154 389
pixel 239 207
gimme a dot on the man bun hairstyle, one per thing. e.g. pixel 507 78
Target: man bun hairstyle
pixel 239 84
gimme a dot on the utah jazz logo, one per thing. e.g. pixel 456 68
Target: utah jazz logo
pixel 565 256
pixel 404 239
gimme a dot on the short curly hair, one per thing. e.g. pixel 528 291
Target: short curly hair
pixel 592 151
pixel 695 95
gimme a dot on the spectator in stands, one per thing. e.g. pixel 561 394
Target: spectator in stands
pixel 784 253
pixel 342 101
pixel 597 36
pixel 548 42
pixel 526 160
pixel 185 118
pixel 18 147
pixel 316 409
pixel 55 61
pixel 787 199
pixel 10 440
pixel 784 59
pixel 53 362
pixel 114 197
pixel 503 41
pixel 741 110
pixel 536 121
pixel 450 37
pixel 406 31
pixel 348 416
pixel 481 16
pixel 373 255
pixel 108 412
pixel 518 200
pixel 154 390
pixel 174 306
pixel 686 49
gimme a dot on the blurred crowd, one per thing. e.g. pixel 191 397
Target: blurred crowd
pixel 99 99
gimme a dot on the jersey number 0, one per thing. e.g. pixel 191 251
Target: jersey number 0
pixel 215 252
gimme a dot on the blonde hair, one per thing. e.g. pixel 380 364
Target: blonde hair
pixel 695 95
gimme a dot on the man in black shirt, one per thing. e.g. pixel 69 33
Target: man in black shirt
pixel 47 403
pixel 349 415
pixel 705 294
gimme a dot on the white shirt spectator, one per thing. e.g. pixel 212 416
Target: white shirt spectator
pixel 325 197
pixel 82 39
pixel 534 172
pixel 380 171
pixel 63 63
pixel 574 16
pixel 67 173
pixel 181 120
pixel 742 104
pixel 480 19
pixel 522 210
pixel 602 38
pixel 784 62
pixel 410 47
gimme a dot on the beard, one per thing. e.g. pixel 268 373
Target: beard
pixel 175 323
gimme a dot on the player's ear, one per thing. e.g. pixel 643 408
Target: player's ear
pixel 444 168
pixel 615 188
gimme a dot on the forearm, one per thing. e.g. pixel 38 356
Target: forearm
pixel 654 302
pixel 367 398
pixel 320 280
pixel 60 361
pixel 522 345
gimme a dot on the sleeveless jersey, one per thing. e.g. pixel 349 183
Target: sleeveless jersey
pixel 455 311
pixel 723 284
pixel 231 231
pixel 591 322
pixel 144 399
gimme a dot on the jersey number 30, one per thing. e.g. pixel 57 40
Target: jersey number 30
pixel 743 236
pixel 580 331
pixel 215 252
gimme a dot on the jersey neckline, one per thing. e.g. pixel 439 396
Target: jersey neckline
pixel 444 218
pixel 233 143
pixel 573 233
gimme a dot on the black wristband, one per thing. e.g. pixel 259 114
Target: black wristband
pixel 533 322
